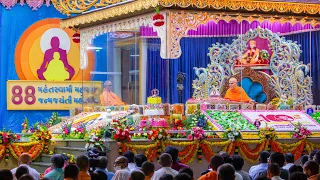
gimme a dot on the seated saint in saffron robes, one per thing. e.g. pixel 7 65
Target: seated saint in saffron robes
pixel 108 98
pixel 236 93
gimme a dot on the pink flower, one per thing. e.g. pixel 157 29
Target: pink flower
pixel 190 137
pixel 118 132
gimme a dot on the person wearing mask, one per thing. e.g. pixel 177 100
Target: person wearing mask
pixel 262 166
pixel 226 172
pixel 137 175
pixel 25 160
pixel 71 172
pixel 139 159
pixel 311 169
pixel 121 169
pixel 165 162
pixel 148 170
pixel 103 164
pixel 130 156
pixel 238 162
pixel 277 158
pixel 173 151
pixel 56 173
pixel 215 162
pixel 274 172
pixel 289 161
pixel 84 166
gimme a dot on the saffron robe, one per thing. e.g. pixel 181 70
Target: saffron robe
pixel 237 94
pixel 108 98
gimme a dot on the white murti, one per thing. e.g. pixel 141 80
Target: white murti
pixel 281 120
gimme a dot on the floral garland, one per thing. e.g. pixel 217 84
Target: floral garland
pixel 198 149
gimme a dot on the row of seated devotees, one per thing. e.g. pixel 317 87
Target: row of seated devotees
pixel 234 93
pixel 275 166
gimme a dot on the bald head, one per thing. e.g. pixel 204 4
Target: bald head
pixel 233 82
pixel 165 160
pixel 24 159
pixel 107 85
pixel 121 161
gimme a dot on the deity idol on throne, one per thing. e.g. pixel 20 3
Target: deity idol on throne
pixel 254 56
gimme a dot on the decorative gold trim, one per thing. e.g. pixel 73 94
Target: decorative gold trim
pixel 79 6
pixel 137 5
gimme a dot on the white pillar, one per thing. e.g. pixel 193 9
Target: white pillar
pixel 143 70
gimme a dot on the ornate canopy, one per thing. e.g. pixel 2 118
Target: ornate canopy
pixel 288 77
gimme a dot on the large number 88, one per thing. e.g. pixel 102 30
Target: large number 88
pixel 17 95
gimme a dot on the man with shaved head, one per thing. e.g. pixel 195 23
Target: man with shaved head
pixel 121 169
pixel 25 160
pixel 165 162
pixel 109 98
pixel 236 93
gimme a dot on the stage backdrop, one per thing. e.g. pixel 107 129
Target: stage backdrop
pixel 33 50
pixel 194 54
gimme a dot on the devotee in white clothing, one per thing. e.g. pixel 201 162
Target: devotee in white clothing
pixel 165 162
pixel 25 160
pixel 121 169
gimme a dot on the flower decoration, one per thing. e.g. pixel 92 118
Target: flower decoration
pixel 25 125
pixel 232 134
pixel 7 137
pixel 267 133
pixel 71 158
pixel 96 139
pixel 197 133
pixel 264 54
pixel 300 132
pixel 158 134
pixel 54 119
pixel 122 135
pixel 177 124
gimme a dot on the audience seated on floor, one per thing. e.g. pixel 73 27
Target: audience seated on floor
pixel 148 170
pixel 261 167
pixel 56 173
pixel 25 160
pixel 130 156
pixel 165 162
pixel 311 169
pixel 84 166
pixel 121 169
pixel 71 172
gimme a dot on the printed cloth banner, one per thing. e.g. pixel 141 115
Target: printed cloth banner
pixel 281 120
pixel 52 95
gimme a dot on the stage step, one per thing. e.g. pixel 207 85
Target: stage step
pixel 45 158
pixel 70 150
pixel 40 166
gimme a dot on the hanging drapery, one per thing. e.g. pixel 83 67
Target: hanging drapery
pixel 232 28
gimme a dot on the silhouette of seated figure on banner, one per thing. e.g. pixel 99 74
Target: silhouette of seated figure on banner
pixel 56 70
pixel 48 57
